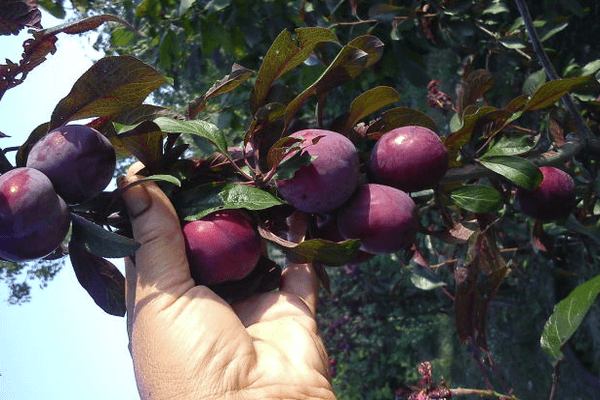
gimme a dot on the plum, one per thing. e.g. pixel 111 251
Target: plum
pixel 78 159
pixel 410 158
pixel 382 217
pixel 553 199
pixel 327 182
pixel 223 246
pixel 34 220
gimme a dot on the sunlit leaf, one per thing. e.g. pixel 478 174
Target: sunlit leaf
pixel 284 55
pixel 518 170
pixel 326 252
pixel 511 145
pixel 476 198
pixel 370 101
pixel 111 86
pixel 567 317
pixel 199 128
pixel 202 200
pixel 17 14
pixel 550 92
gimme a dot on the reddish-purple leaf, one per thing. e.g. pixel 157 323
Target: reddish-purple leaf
pixel 17 14
pixel 100 278
pixel 111 86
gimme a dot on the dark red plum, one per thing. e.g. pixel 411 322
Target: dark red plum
pixel 383 218
pixel 329 180
pixel 553 199
pixel 34 220
pixel 223 246
pixel 410 158
pixel 79 161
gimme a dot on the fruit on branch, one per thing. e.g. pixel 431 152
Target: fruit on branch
pixel 34 220
pixel 328 181
pixel 553 199
pixel 79 161
pixel 223 246
pixel 327 229
pixel 383 218
pixel 410 158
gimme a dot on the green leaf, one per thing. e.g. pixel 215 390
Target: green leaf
pixel 162 178
pixel 196 203
pixel 100 242
pixel 284 55
pixel 554 31
pixel 510 145
pixel 518 170
pixel 534 82
pixel 203 129
pixel 111 86
pixel 326 252
pixel 369 102
pixel 567 317
pixel 552 91
pixel 425 283
pixel 144 141
pixel 476 198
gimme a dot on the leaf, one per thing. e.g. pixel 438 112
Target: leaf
pixel 111 86
pixel 100 242
pixel 511 145
pixel 402 116
pixel 238 75
pixel 196 203
pixel 144 112
pixel 100 278
pixel 477 83
pixel 34 136
pixel 534 82
pixel 17 14
pixel 199 128
pixel 144 142
pixel 552 91
pixel 369 102
pixel 284 55
pixel 371 45
pixel 518 170
pixel 476 198
pixel 423 282
pixel 462 135
pixel 162 178
pixel 347 65
pixel 82 26
pixel 567 317
pixel 325 252
pixel 554 31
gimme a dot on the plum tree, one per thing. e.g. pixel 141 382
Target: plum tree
pixel 382 217
pixel 410 158
pixel 78 159
pixel 328 181
pixel 552 199
pixel 223 246
pixel 34 220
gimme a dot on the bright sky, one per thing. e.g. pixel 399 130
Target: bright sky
pixel 61 345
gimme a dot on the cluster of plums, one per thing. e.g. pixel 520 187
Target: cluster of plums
pixel 67 166
pixel 74 163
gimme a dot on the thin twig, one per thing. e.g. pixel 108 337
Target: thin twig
pixel 549 68
pixel 489 394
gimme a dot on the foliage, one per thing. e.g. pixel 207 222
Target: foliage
pixel 458 296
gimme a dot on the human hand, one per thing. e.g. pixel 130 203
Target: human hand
pixel 188 343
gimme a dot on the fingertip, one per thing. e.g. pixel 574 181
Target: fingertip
pixel 301 280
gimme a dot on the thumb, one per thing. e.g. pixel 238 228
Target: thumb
pixel 160 262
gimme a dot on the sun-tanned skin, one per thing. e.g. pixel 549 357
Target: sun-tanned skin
pixel 188 343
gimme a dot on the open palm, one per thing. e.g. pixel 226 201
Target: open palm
pixel 188 343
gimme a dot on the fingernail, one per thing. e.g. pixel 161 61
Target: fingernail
pixel 137 199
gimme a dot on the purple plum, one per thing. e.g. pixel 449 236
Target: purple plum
pixel 410 158
pixel 329 180
pixel 34 220
pixel 553 199
pixel 223 246
pixel 79 161
pixel 383 218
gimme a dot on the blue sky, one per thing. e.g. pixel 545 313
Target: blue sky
pixel 61 345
